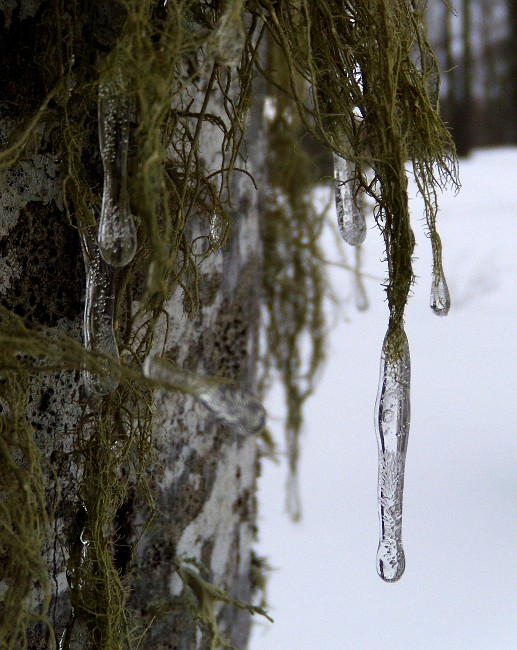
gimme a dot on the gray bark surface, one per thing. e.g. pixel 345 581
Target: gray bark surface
pixel 203 475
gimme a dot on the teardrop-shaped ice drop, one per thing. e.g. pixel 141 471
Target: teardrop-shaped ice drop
pixel 98 334
pixel 233 406
pixel 440 299
pixel 218 230
pixel 229 36
pixel 117 232
pixel 350 216
pixel 392 421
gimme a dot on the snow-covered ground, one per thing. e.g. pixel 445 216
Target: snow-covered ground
pixel 459 590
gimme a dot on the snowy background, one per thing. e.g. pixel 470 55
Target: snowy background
pixel 459 590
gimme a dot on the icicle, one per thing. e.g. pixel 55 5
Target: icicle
pixel 218 230
pixel 361 298
pixel 350 216
pixel 117 232
pixel 392 428
pixel 440 299
pixel 229 37
pixel 223 397
pixel 98 335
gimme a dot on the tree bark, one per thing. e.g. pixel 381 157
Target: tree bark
pixel 201 474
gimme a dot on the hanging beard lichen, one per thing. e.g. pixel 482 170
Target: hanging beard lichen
pixel 156 69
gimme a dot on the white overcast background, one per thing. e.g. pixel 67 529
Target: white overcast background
pixel 459 590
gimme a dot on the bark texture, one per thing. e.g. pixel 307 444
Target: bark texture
pixel 201 475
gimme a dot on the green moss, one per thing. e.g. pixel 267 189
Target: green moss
pixel 367 68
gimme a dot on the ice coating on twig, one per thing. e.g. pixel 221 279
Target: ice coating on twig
pixel 440 299
pixel 117 231
pixel 350 216
pixel 98 334
pixel 233 406
pixel 229 37
pixel 392 419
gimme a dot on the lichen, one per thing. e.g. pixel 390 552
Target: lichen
pixel 355 76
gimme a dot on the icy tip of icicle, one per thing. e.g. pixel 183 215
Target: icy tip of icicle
pixel 440 301
pixel 117 237
pixel 229 37
pixel 391 561
pixel 350 214
pixel 233 406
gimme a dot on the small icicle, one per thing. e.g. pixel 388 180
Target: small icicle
pixel 218 230
pixel 98 334
pixel 440 299
pixel 117 231
pixel 350 216
pixel 229 36
pixel 392 427
pixel 223 397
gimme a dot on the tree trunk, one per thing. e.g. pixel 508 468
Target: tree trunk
pixel 184 520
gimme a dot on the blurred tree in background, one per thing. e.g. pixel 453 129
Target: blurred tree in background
pixel 475 42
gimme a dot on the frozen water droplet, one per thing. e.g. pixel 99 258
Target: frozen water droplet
pixel 98 334
pixel 223 397
pixel 350 216
pixel 229 36
pixel 218 230
pixel 117 231
pixel 392 427
pixel 440 298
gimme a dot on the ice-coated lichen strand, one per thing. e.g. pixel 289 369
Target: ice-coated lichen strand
pixel 98 334
pixel 350 216
pixel 392 418
pixel 233 406
pixel 117 231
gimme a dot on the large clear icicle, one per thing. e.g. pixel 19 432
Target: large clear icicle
pixel 350 215
pixel 229 36
pixel 392 427
pixel 235 407
pixel 98 334
pixel 117 231
pixel 440 301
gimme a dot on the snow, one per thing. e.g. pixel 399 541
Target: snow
pixel 460 504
